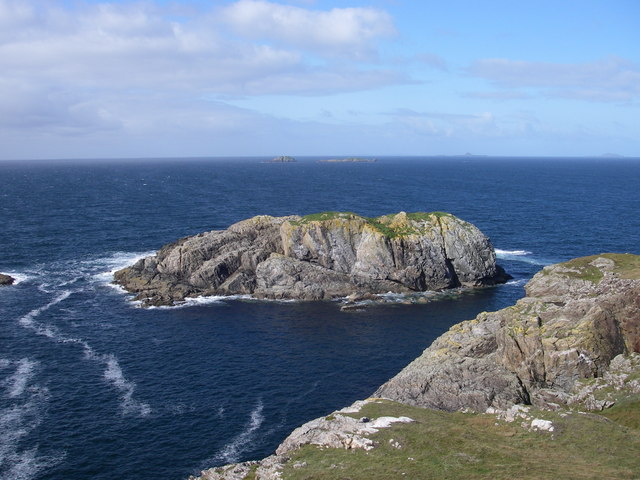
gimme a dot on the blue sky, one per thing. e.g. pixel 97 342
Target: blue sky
pixel 87 79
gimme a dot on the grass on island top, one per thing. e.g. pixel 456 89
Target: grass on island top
pixel 626 265
pixel 381 224
pixel 442 445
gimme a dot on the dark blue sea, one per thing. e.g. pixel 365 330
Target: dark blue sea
pixel 93 387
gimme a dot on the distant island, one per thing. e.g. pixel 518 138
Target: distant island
pixel 349 160
pixel 282 159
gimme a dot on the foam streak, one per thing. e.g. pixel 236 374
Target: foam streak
pixel 231 452
pixel 113 373
pixel 20 419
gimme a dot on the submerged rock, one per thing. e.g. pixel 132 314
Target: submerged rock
pixel 6 279
pixel 320 256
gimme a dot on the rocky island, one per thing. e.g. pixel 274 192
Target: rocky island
pixel 315 257
pixel 6 279
pixel 548 388
pixel 282 159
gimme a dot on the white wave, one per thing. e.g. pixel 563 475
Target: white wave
pixel 203 300
pixel 18 277
pixel 110 264
pixel 523 256
pixel 17 422
pixel 17 383
pixel 231 452
pixel 511 253
pixel 516 283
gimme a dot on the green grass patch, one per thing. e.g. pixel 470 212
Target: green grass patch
pixel 625 412
pixel 381 224
pixel 626 265
pixel 453 446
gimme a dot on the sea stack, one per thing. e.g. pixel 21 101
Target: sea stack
pixel 318 257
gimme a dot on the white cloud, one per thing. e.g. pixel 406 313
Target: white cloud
pixel 346 32
pixel 68 70
pixel 610 79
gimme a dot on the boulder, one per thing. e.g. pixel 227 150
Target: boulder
pixel 6 279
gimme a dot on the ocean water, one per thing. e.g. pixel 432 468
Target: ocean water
pixel 92 387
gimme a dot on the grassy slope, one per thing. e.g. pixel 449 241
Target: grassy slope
pixel 441 445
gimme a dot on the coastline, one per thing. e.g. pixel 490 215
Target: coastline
pixel 386 425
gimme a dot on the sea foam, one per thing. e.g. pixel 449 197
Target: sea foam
pixel 231 451
pixel 112 374
pixel 19 419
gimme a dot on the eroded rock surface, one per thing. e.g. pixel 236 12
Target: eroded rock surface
pixel 577 316
pixel 316 257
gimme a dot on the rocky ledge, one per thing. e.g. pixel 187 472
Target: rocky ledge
pixel 568 348
pixel 320 256
pixel 6 279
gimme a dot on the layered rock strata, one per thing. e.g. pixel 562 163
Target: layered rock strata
pixel 320 256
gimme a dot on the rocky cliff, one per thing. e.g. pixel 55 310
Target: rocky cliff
pixel 576 317
pixel 570 345
pixel 320 256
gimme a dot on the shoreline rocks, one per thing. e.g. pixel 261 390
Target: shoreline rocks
pixel 6 279
pixel 318 257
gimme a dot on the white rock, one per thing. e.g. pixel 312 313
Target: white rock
pixel 539 424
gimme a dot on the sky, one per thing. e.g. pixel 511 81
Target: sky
pixel 160 78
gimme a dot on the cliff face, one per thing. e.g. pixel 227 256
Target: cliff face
pixel 576 317
pixel 319 256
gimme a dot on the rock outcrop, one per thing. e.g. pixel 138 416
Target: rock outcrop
pixel 576 317
pixel 6 279
pixel 320 256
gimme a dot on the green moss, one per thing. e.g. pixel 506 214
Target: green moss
pixel 476 446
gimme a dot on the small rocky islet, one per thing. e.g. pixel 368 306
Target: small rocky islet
pixel 6 279
pixel 547 388
pixel 318 257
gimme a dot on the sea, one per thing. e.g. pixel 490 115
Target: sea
pixel 94 387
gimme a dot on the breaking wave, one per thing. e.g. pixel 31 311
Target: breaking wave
pixel 523 256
